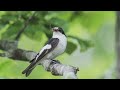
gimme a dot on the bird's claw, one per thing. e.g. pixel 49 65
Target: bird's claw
pixel 55 61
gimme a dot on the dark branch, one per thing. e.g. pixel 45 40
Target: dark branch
pixel 117 32
pixel 24 27
pixel 2 55
pixel 7 45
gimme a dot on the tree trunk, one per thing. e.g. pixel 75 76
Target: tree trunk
pixel 117 31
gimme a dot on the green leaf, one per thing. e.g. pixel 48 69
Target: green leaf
pixel 71 47
pixel 60 23
pixel 8 17
pixel 34 32
pixel 65 15
pixel 84 44
pixel 92 20
pixel 4 64
pixel 48 33
pixel 12 30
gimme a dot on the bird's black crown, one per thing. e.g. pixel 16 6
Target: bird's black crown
pixel 61 30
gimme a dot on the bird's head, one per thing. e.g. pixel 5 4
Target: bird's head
pixel 58 30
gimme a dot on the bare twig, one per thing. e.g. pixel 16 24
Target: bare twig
pixel 24 27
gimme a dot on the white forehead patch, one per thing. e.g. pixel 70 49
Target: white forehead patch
pixel 56 28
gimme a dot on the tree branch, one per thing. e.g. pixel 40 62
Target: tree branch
pixel 2 55
pixel 7 45
pixel 58 69
pixel 53 66
pixel 24 27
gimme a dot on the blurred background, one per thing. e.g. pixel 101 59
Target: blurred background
pixel 91 41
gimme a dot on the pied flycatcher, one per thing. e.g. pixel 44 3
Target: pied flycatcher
pixel 54 47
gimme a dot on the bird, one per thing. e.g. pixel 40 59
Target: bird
pixel 53 48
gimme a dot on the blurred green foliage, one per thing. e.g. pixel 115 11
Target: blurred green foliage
pixel 90 40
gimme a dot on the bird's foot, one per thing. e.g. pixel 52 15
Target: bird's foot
pixel 55 61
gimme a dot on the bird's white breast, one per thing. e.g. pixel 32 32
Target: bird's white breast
pixel 61 45
pixel 59 49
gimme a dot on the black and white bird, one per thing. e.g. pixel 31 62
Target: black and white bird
pixel 54 47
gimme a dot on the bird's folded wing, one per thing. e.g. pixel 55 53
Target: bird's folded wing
pixel 52 43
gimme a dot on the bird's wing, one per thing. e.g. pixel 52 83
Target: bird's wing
pixel 46 49
pixel 51 44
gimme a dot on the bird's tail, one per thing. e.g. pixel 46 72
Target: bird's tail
pixel 29 69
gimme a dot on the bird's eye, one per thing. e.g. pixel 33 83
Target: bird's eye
pixel 60 30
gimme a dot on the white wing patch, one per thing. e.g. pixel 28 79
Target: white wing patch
pixel 48 46
pixel 45 47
